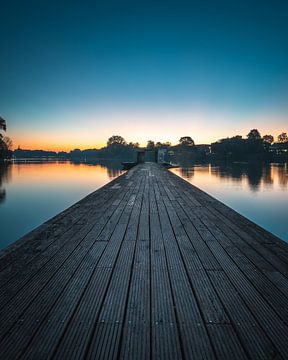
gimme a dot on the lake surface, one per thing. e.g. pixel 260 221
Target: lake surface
pixel 257 191
pixel 31 193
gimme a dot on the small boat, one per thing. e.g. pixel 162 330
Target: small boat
pixel 128 165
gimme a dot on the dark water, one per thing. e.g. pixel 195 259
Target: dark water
pixel 31 193
pixel 257 191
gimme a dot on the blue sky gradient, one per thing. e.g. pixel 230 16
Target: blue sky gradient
pixel 74 73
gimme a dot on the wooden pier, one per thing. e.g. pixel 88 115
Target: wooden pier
pixel 147 267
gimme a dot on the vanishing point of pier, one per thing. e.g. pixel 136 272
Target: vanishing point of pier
pixel 147 267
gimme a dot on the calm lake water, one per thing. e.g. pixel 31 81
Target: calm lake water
pixel 257 191
pixel 31 193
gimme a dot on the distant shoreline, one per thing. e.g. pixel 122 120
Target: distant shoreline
pixel 183 163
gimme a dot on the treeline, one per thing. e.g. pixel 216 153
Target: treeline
pixel 5 142
pixel 121 152
pixel 118 149
pixel 254 146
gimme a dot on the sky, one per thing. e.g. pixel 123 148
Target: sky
pixel 74 73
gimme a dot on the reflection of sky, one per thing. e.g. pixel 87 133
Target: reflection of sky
pixel 37 192
pixel 72 75
pixel 259 194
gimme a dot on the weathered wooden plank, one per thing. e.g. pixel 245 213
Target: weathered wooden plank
pixel 270 292
pixel 253 272
pixel 211 309
pixel 194 339
pixel 35 242
pixel 113 310
pixel 136 336
pixel 44 301
pixel 107 331
pixel 225 342
pixel 276 278
pixel 165 335
pixel 218 250
pixel 273 324
pixel 242 225
pixel 147 267
pixel 44 253
pixel 29 338
pixel 77 340
pixel 253 337
pixel 26 294
pixel 137 324
pixel 250 252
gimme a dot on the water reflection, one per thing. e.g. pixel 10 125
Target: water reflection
pixel 256 175
pixel 33 191
pixel 2 195
pixel 34 167
pixel 5 176
pixel 187 172
pixel 282 175
pixel 113 168
pixel 258 191
pixel 114 172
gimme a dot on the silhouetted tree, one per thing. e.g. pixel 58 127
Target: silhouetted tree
pixel 8 142
pixel 253 135
pixel 269 139
pixel 116 140
pixel 234 147
pixel 150 144
pixel 164 145
pixel 283 137
pixel 134 145
pixel 76 151
pixel 5 142
pixel 186 141
pixel 20 153
pixel 2 124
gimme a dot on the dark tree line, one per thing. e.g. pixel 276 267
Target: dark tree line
pixel 254 145
pixel 117 148
pixel 5 141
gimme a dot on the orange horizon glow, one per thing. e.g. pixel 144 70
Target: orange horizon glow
pixel 57 171
pixel 50 145
pixel 140 126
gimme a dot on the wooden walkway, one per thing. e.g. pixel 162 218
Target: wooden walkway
pixel 146 267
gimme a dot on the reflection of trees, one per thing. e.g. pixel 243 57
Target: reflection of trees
pixel 113 172
pixel 5 174
pixel 2 195
pixel 233 171
pixel 267 175
pixel 254 175
pixel 282 174
pixel 114 169
pixel 254 172
pixel 236 172
pixel 187 173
